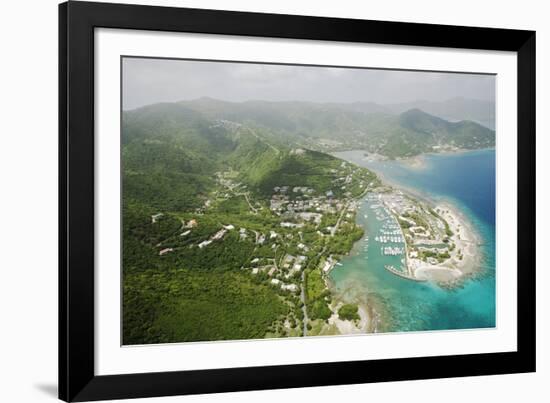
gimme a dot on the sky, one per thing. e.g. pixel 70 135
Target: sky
pixel 148 81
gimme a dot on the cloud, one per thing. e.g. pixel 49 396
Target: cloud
pixel 147 81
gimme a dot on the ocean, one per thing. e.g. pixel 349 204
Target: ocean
pixel 466 180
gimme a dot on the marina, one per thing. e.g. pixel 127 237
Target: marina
pixel 401 273
pixel 407 303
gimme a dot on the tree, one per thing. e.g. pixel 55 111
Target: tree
pixel 349 312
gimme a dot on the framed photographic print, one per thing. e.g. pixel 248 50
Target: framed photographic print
pixel 255 201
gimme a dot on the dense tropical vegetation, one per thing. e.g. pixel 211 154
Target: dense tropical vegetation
pixel 229 213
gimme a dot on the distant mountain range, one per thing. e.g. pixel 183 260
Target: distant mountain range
pixel 454 109
pixel 388 130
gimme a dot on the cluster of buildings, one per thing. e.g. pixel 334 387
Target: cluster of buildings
pixel 284 286
pixel 186 227
pixel 287 268
pixel 297 212
pixel 293 264
pixel 426 240
pixel 226 124
pixel 297 206
pixel 328 265
pixel 225 179
pixel 217 236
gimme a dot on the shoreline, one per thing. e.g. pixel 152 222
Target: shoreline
pixel 419 162
pixel 465 257
pixel 455 270
pixel 414 162
pixel 371 320
pixel 466 237
pixel 449 274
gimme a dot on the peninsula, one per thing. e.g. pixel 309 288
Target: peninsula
pixel 232 227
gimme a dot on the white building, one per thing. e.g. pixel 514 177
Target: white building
pixel 289 287
pixel 155 217
pixel 204 243
pixel 165 251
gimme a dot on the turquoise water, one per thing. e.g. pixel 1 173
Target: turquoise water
pixel 467 180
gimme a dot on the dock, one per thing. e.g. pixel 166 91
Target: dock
pixel 402 274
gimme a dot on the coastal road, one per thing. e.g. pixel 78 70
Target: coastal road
pixel 303 293
pixel 344 209
pixel 277 151
pixel 248 201
pixel 303 297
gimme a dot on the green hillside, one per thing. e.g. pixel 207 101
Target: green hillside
pixel 222 201
pixel 454 109
pixel 171 153
pixel 334 127
pixel 191 184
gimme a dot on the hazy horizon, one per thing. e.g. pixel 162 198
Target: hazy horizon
pixel 148 81
pixel 301 101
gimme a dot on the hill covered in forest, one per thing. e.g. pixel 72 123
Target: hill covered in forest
pixel 215 212
pixel 334 127
pixel 171 154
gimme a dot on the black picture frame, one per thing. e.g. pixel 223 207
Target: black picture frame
pixel 77 21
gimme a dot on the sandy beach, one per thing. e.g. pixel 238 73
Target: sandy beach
pixel 464 258
pixel 465 238
pixel 464 254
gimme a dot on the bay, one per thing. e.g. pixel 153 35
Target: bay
pixel 464 179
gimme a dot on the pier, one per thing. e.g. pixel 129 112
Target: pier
pixel 402 274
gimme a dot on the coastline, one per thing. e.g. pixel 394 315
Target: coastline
pixel 370 318
pixel 415 161
pixel 452 275
pixel 419 161
pixel 448 275
pixel 455 270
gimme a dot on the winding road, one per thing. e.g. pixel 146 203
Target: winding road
pixel 303 297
